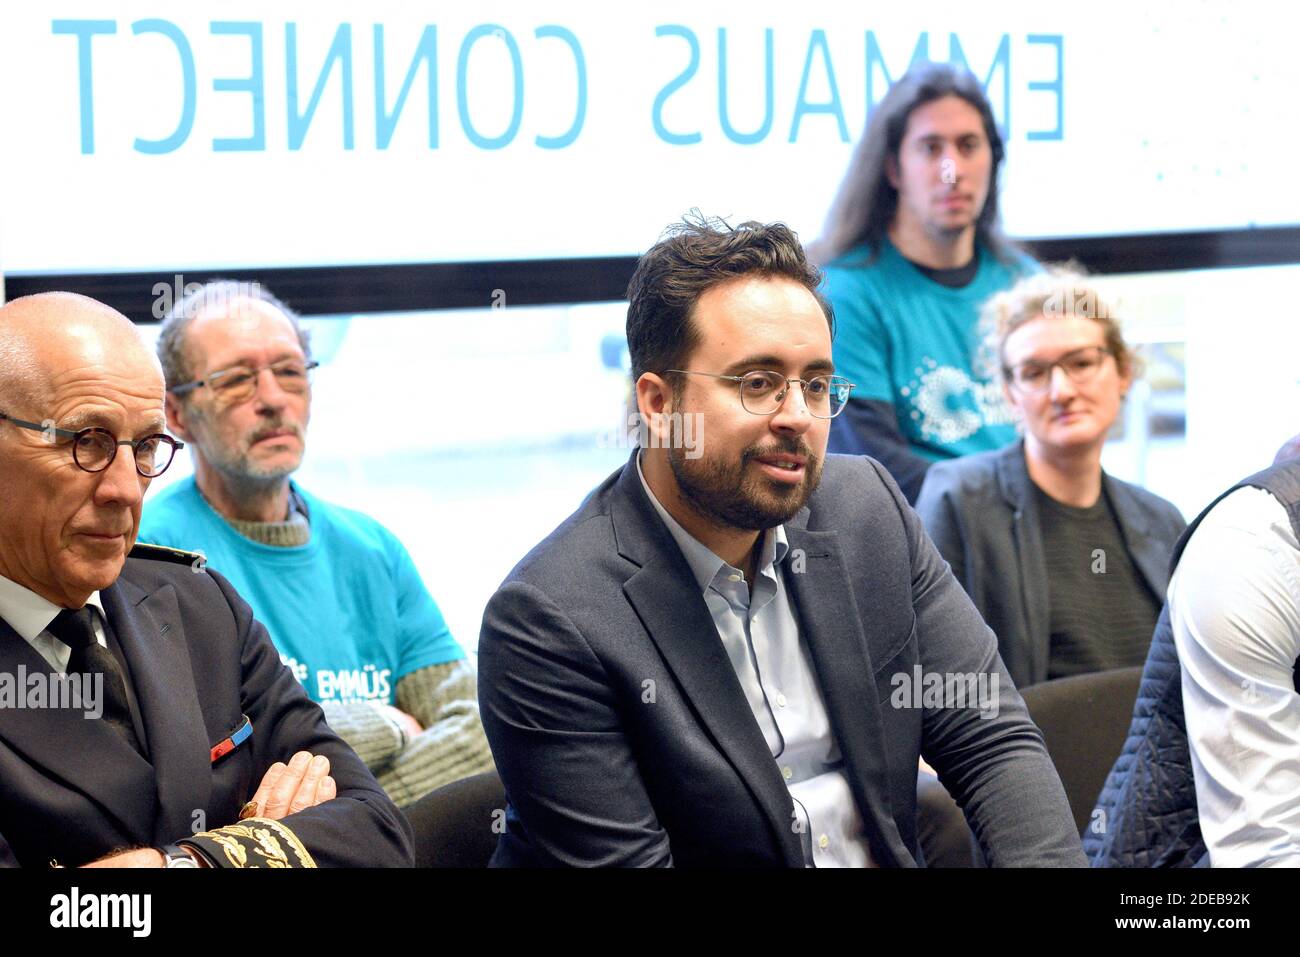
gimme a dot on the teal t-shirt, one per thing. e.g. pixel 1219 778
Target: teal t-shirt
pixel 905 339
pixel 347 611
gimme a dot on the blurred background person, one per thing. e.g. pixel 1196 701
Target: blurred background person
pixel 913 247
pixel 338 592
pixel 1068 565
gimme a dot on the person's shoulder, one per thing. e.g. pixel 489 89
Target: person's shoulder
pixel 176 499
pixel 350 526
pixel 1236 577
pixel 149 566
pixel 566 586
pixel 175 586
pixel 177 515
pixel 572 552
pixel 857 271
pixel 148 552
pixel 1246 533
pixel 968 477
pixel 860 502
pixel 859 287
pixel 861 256
pixel 1148 501
pixel 1016 259
pixel 973 470
pixel 579 550
pixel 853 485
pixel 1250 510
pixel 1008 264
pixel 1023 264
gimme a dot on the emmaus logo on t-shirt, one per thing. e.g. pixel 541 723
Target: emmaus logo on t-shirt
pixel 367 683
pixel 947 405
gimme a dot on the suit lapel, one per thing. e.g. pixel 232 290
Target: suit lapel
pixel 674 613
pixel 152 638
pixel 1150 555
pixel 667 599
pixel 1013 479
pixel 832 626
pixel 81 754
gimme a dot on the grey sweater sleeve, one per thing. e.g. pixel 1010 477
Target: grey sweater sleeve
pixel 367 731
pixel 444 699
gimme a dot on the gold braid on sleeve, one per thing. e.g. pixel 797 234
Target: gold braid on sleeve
pixel 254 842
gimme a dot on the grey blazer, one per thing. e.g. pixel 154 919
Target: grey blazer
pixel 980 511
pixel 622 734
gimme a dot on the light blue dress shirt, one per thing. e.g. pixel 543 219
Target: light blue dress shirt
pixel 760 633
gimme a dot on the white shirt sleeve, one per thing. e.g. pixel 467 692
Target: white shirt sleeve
pixel 1234 604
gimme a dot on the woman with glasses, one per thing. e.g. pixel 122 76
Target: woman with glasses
pixel 1067 564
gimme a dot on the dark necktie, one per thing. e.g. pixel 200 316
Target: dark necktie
pixel 76 629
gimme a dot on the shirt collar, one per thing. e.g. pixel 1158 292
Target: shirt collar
pixel 27 612
pixel 704 564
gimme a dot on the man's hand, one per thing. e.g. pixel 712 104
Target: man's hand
pixel 404 721
pixel 287 789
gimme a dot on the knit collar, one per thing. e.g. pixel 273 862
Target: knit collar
pixel 293 532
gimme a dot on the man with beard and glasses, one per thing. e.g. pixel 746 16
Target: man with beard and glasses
pixel 338 592
pixel 718 659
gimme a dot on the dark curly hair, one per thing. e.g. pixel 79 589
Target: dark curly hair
pixel 689 259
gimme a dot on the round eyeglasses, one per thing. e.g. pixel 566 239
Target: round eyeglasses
pixel 763 392
pixel 94 449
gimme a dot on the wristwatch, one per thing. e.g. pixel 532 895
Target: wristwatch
pixel 176 856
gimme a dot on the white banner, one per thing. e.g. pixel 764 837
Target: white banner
pixel 143 135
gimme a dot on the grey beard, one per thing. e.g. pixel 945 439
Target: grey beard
pixel 249 485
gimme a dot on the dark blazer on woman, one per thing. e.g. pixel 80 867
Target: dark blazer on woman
pixel 980 511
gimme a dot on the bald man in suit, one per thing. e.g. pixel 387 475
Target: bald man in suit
pixel 173 754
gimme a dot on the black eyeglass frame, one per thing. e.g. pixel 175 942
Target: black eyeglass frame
pixel 75 438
